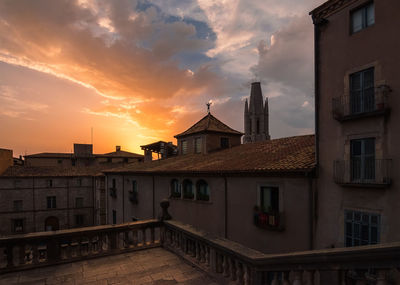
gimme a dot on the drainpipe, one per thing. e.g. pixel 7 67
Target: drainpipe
pixel 311 203
pixel 34 205
pixel 94 200
pixel 226 208
pixel 123 198
pixel 153 202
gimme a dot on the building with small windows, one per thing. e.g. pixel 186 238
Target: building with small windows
pixel 264 189
pixel 357 130
pixel 207 135
pixel 50 198
pixel 81 157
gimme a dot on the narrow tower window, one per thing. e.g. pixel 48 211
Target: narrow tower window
pixel 258 126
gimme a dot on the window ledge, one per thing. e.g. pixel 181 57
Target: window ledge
pixel 363 184
pixel 376 113
pixel 190 200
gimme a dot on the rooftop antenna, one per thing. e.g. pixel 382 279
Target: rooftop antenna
pixel 208 106
pixel 91 135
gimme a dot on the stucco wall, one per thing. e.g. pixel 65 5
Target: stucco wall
pixel 6 159
pixel 341 54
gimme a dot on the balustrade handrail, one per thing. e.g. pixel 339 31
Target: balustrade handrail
pixel 79 231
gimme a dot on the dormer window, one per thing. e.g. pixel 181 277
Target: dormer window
pixel 362 18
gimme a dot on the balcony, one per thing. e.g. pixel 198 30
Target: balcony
pixel 151 252
pixel 367 173
pixel 268 220
pixel 366 105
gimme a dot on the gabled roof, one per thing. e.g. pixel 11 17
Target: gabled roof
pixel 50 155
pixel 209 124
pixel 285 155
pixel 119 153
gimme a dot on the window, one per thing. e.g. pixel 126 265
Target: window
pixel 197 145
pixel 184 147
pixel 258 126
pixel 187 189
pixel 361 228
pixel 79 220
pixel 362 161
pixel 73 162
pixel 175 189
pixel 203 192
pixel 49 183
pixel 17 205
pixel 18 225
pixel 113 183
pixel 109 159
pixel 362 18
pixel 79 182
pixel 51 202
pixel 113 189
pixel 114 216
pixel 133 194
pixel 125 160
pixel 78 202
pixel 362 94
pixel 269 199
pixel 224 142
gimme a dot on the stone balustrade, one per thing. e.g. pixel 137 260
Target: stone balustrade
pixel 44 248
pixel 231 262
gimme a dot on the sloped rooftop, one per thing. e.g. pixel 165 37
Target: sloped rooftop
pixel 155 266
pixel 209 124
pixel 29 171
pixel 290 154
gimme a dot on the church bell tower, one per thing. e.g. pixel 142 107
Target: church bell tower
pixel 256 120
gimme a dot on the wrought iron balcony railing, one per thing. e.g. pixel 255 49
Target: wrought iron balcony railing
pixel 363 172
pixel 361 104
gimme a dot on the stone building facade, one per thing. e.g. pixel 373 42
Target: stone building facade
pixel 256 116
pixel 6 159
pixel 39 199
pixel 357 130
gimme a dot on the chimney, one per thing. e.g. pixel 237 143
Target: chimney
pixel 118 148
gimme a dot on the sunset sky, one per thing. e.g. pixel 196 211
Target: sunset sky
pixel 139 71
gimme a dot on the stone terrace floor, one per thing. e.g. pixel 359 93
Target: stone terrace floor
pixel 152 266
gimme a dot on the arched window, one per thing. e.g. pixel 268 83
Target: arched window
pixel 188 192
pixel 175 189
pixel 203 191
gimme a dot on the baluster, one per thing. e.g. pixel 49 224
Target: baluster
pixel 246 276
pixel 135 238
pixel 275 281
pixel 202 253
pixel 21 251
pixel 35 254
pixel 207 255
pixel 112 241
pixel 198 253
pixel 232 266
pixel 193 247
pixel 382 277
pixel 285 279
pixel 225 266
pixel 100 245
pixel 213 260
pixel 342 277
pixel 298 278
pixel 239 272
pixel 126 239
pixel 311 277
pixel 152 235
pixel 144 238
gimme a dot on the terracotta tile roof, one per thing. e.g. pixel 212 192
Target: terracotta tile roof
pixel 290 154
pixel 120 153
pixel 50 155
pixel 211 124
pixel 30 171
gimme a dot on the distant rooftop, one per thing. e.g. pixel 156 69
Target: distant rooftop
pixel 209 124
pixel 290 154
pixel 43 171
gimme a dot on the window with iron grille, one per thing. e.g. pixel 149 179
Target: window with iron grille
pixel 362 17
pixel 361 228
pixel 362 91
pixel 362 161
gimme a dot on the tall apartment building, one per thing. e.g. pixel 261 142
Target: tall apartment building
pixel 357 122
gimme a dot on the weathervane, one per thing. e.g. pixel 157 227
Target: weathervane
pixel 208 106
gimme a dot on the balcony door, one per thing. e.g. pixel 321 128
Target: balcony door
pixel 362 92
pixel 362 162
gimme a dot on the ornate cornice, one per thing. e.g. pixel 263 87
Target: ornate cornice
pixel 328 8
